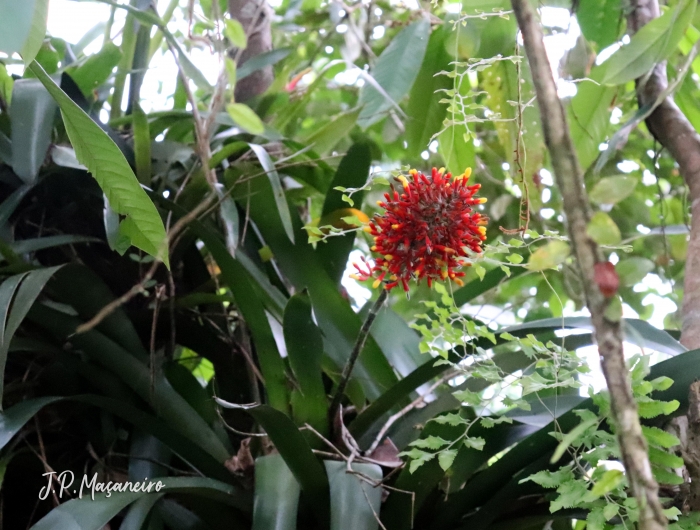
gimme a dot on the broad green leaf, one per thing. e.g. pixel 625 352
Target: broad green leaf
pixel 325 138
pixel 280 200
pixel 245 117
pixel 395 71
pixel 633 270
pixel 276 495
pixel 236 34
pixel 424 110
pixel 96 69
pixel 611 190
pixel 16 20
pixel 456 149
pixel 108 166
pixel 297 454
pixel 32 113
pixel 37 32
pixel 653 43
pixel 603 230
pixel 549 256
pixel 354 500
pixel 600 21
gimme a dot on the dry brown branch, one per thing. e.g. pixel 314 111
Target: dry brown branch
pixel 608 335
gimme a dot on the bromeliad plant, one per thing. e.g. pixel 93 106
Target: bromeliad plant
pixel 426 230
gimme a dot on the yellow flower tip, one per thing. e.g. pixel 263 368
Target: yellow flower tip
pixel 355 277
pixel 483 200
pixel 459 282
pixel 367 229
pixel 373 248
pixel 482 230
pixel 388 257
pixel 413 172
pixel 403 180
pixel 396 226
pixel 441 171
pixel 393 277
pixel 482 222
pixel 452 275
pixel 376 283
pixel 467 173
pixel 379 203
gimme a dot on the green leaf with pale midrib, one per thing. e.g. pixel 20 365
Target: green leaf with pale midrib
pixel 107 164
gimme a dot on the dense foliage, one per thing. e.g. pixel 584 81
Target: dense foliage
pixel 212 358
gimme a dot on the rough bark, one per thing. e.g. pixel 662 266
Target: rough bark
pixel 690 447
pixel 672 129
pixel 608 334
pixel 255 16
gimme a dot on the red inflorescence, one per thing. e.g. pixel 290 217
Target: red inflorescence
pixel 425 231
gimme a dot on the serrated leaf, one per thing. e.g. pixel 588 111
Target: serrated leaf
pixel 652 409
pixel 571 437
pixel 450 419
pixel 474 442
pixel 603 230
pixel 431 442
pixel 446 458
pixel 656 436
pixel 107 164
pixel 610 480
pixel 663 458
pixel 664 476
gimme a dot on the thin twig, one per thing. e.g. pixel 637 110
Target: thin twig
pixel 355 353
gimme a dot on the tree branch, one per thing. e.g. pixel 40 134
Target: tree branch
pixel 607 333
pixel 673 130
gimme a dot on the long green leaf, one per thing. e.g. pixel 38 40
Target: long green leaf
pixel 105 161
pixel 305 351
pixel 20 291
pixel 653 43
pixel 32 113
pixel 276 495
pixel 15 24
pixel 280 200
pixel 167 403
pixel 354 501
pixel 395 71
pixel 88 514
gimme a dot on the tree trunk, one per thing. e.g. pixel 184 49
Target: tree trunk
pixel 255 16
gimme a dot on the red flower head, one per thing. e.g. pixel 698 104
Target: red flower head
pixel 425 230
